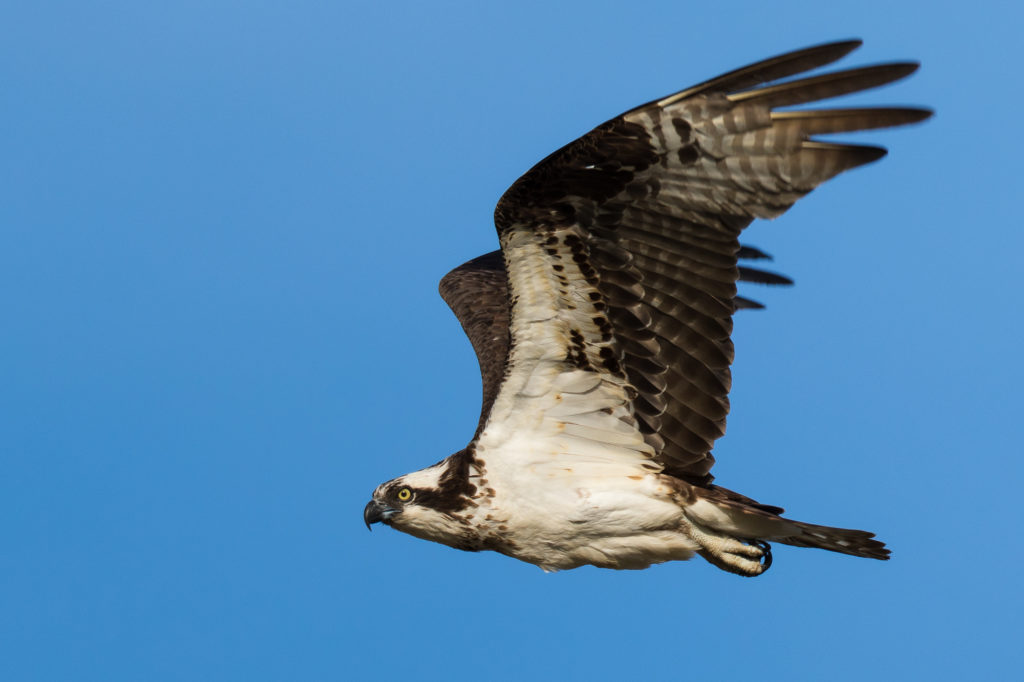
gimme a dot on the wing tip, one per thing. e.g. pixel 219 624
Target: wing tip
pixel 918 114
pixel 853 154
pixel 743 303
pixel 869 153
pixel 758 276
pixel 748 252
pixel 845 45
pixel 901 69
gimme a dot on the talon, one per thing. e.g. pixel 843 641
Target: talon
pixel 766 549
pixel 743 556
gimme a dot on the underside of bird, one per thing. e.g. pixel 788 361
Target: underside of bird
pixel 603 329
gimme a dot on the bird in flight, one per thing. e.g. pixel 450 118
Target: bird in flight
pixel 602 328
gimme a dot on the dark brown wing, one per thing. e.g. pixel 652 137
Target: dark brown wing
pixel 478 295
pixel 640 221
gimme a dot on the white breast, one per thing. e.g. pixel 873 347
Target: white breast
pixel 569 479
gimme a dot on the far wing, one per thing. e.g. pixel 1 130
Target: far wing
pixel 477 294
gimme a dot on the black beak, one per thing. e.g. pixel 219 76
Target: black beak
pixel 374 512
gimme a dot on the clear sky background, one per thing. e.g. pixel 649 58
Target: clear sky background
pixel 221 229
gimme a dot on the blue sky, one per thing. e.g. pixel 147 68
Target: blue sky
pixel 221 229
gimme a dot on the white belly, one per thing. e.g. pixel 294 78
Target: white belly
pixel 609 516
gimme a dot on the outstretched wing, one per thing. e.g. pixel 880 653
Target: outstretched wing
pixel 622 253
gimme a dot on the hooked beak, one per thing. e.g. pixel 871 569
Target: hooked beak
pixel 375 512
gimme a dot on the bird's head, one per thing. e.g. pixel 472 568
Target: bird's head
pixel 425 504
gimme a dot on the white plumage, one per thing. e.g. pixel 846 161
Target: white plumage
pixel 602 330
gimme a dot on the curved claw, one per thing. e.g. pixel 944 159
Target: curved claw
pixel 766 557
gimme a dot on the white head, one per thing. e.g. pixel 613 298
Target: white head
pixel 430 504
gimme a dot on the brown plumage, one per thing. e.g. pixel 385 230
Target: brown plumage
pixel 667 225
pixel 626 244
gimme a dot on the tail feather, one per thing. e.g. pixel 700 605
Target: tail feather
pixel 843 540
pixel 729 512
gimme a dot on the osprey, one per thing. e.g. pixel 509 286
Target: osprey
pixel 602 328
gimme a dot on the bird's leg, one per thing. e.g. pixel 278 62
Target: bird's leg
pixel 749 558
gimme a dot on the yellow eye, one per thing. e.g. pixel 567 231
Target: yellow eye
pixel 404 495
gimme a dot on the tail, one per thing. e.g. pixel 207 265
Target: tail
pixel 842 540
pixel 728 514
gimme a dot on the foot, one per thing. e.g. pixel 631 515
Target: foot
pixel 742 557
